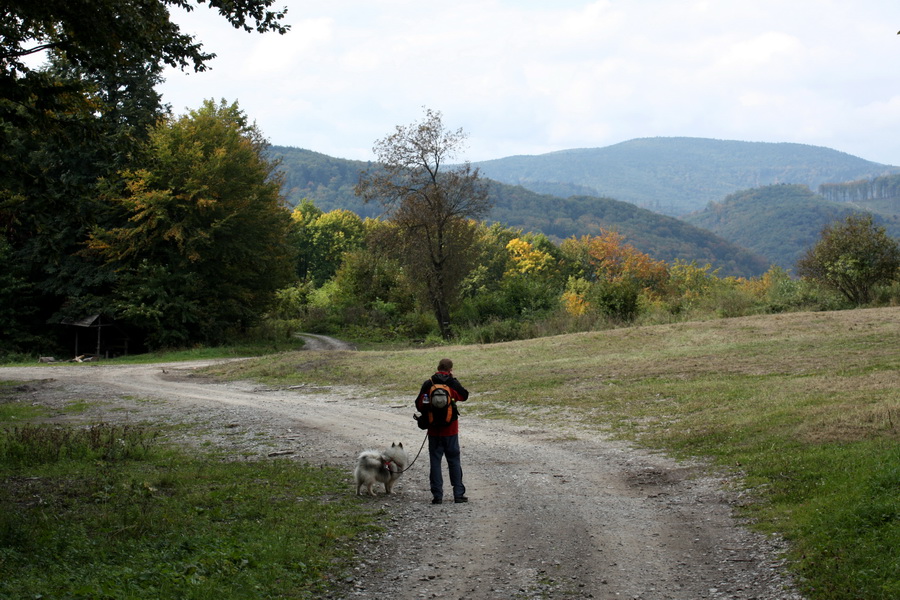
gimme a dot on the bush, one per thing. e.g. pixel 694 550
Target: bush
pixel 887 295
pixel 492 332
pixel 852 258
pixel 733 302
pixel 418 325
pixel 519 297
pixel 617 300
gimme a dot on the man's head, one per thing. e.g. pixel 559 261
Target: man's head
pixel 445 365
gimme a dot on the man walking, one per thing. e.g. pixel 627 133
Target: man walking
pixel 443 432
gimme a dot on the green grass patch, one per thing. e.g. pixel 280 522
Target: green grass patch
pixel 236 350
pixel 804 406
pixel 204 353
pixel 14 410
pixel 840 507
pixel 113 513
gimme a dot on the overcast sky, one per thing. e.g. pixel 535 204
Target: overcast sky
pixel 529 76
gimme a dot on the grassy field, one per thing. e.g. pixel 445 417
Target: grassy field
pixel 805 407
pixel 110 512
pixel 237 350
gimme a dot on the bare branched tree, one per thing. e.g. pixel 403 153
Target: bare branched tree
pixel 432 203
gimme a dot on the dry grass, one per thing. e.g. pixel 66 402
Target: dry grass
pixel 806 406
pixel 832 376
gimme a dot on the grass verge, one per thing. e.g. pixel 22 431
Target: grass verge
pixel 238 350
pixel 107 511
pixel 805 407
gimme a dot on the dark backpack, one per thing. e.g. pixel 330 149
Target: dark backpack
pixel 438 407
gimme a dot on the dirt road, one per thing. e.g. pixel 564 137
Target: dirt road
pixel 552 513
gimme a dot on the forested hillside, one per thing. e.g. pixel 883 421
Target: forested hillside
pixel 779 221
pixel 676 176
pixel 325 180
pixel 879 195
pixel 328 182
pixel 664 238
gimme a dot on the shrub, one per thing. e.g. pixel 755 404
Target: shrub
pixel 852 258
pixel 494 331
pixel 618 301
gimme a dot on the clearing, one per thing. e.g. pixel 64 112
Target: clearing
pixel 553 513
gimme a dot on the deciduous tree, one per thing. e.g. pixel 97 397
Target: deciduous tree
pixel 606 257
pixel 107 35
pixel 852 257
pixel 432 204
pixel 83 115
pixel 618 274
pixel 324 238
pixel 206 216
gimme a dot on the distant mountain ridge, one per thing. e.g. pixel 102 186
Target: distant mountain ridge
pixel 328 182
pixel 739 225
pixel 679 175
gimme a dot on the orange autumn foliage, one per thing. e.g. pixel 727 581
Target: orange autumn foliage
pixel 609 258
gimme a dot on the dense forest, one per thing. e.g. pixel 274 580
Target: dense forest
pixel 676 176
pixel 328 182
pixel 779 221
pixel 162 230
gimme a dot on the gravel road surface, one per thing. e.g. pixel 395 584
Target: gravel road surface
pixel 553 513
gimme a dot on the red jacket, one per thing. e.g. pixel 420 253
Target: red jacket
pixel 457 392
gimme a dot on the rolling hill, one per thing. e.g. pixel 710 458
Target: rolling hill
pixel 779 221
pixel 676 176
pixel 743 205
pixel 328 182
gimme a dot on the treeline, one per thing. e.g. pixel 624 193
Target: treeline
pixel 879 188
pixel 193 245
pixel 188 241
pixel 521 285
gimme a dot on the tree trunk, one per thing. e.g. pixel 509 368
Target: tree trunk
pixel 442 314
pixel 439 301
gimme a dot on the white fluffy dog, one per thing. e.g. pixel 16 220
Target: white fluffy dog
pixel 386 467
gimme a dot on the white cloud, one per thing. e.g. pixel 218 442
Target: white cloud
pixel 528 77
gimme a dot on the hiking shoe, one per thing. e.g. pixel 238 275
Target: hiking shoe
pixel 460 499
pixel 436 501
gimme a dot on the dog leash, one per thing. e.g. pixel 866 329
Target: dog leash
pixel 417 455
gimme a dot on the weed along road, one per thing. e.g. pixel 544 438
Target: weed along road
pixel 553 512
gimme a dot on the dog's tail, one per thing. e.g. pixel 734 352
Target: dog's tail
pixel 371 460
